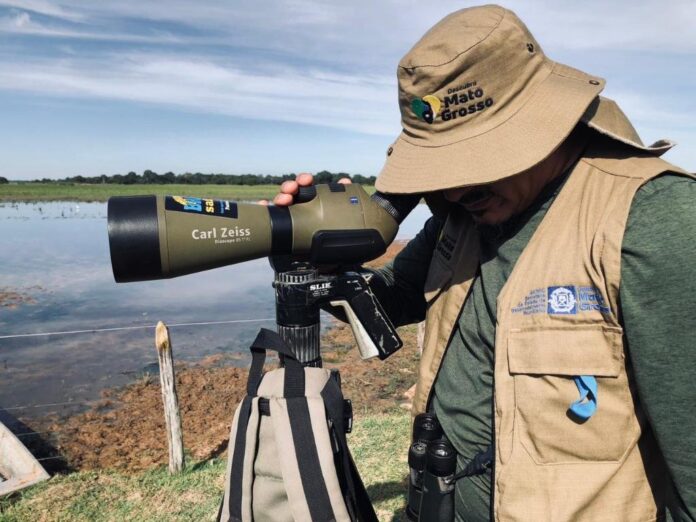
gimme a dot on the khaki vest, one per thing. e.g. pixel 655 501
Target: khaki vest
pixel 557 318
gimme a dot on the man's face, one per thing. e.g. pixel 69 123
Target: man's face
pixel 495 203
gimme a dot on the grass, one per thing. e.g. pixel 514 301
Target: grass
pixel 379 444
pixel 102 192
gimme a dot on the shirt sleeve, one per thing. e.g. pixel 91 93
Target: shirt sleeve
pixel 399 284
pixel 658 303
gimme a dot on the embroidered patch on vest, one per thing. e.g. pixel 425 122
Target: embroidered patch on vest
pixel 562 300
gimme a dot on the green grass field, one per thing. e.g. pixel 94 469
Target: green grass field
pixel 80 192
pixel 379 444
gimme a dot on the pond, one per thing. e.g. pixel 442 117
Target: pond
pixel 55 256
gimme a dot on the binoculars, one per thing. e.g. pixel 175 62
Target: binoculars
pixel 432 463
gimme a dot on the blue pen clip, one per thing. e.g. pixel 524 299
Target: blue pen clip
pixel 586 405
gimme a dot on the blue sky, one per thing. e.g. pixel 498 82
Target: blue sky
pixel 237 86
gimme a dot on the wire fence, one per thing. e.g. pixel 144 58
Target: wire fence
pixel 112 329
pixel 41 441
pixel 138 327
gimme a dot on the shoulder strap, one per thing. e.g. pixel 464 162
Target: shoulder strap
pixel 356 497
pixel 294 385
pixel 236 502
pixel 237 499
pixel 300 462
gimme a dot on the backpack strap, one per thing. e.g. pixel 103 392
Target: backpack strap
pixel 236 503
pixel 353 487
pixel 294 385
pixel 300 461
pixel 237 500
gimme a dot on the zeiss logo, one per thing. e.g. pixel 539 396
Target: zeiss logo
pixel 562 300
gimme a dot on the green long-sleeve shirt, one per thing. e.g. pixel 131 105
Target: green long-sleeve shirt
pixel 658 306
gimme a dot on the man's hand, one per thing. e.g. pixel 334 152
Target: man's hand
pixel 289 188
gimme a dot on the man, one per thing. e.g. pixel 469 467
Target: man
pixel 555 277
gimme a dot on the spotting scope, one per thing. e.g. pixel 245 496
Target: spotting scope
pixel 157 237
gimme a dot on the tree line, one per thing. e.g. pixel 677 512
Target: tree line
pixel 152 178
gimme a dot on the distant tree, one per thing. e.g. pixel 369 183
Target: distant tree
pixel 188 178
pixel 323 177
pixel 3 181
pixel 149 177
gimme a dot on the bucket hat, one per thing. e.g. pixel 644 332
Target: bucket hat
pixel 480 101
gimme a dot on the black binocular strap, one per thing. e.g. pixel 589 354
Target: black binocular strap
pixel 355 492
pixel 480 464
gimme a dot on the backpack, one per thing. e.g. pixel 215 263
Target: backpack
pixel 288 454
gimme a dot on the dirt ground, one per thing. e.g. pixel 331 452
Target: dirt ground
pixel 12 298
pixel 126 429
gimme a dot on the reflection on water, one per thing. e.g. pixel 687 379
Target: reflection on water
pixel 58 253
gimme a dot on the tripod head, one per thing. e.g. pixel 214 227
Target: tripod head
pixel 300 293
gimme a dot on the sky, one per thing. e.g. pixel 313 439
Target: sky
pixel 274 87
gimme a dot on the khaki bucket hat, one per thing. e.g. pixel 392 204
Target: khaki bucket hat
pixel 481 102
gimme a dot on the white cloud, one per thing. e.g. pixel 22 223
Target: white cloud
pixel 43 7
pixel 312 61
pixel 21 20
pixel 22 23
pixel 619 25
pixel 361 25
pixel 358 103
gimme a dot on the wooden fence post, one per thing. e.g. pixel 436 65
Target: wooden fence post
pixel 169 398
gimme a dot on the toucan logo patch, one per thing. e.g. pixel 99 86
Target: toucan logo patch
pixel 426 108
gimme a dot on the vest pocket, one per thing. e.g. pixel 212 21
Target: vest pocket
pixel 543 362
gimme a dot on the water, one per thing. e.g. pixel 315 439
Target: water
pixel 57 253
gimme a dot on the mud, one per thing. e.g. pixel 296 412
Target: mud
pixel 14 298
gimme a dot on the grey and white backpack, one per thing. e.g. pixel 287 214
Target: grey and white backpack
pixel 288 455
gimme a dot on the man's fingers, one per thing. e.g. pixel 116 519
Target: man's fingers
pixel 304 179
pixel 289 187
pixel 263 202
pixel 283 200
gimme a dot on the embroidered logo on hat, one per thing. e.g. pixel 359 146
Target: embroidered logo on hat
pixel 426 108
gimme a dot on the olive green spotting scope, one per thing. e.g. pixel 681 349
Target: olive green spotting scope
pixel 156 237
